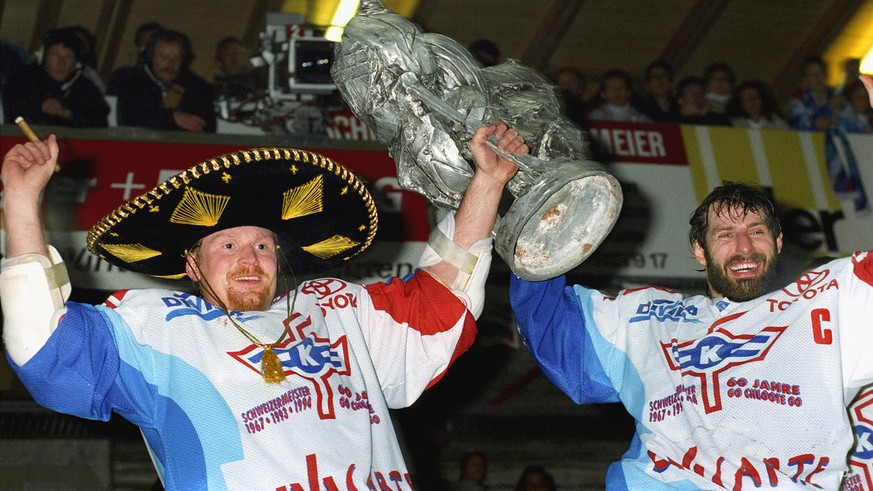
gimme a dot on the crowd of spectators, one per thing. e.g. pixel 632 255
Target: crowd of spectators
pixel 60 86
pixel 716 98
pixel 614 104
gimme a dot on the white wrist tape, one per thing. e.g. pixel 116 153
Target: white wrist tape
pixel 473 264
pixel 33 289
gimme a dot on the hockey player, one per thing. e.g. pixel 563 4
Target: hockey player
pixel 235 387
pixel 742 388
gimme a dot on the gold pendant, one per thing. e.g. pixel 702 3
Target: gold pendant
pixel 271 367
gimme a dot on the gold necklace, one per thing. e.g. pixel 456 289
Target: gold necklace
pixel 271 367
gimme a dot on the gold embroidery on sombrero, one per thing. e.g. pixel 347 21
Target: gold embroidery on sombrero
pixel 306 199
pixel 130 253
pixel 170 276
pixel 328 248
pixel 199 208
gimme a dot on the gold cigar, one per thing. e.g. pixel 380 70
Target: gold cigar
pixel 31 135
pixel 26 129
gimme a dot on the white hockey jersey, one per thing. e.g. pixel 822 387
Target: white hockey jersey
pixel 861 459
pixel 175 366
pixel 725 395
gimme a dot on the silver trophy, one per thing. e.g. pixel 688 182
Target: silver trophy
pixel 424 96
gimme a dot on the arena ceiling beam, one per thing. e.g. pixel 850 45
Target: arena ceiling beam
pixel 557 17
pixel 697 22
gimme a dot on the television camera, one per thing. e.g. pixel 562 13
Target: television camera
pixel 287 90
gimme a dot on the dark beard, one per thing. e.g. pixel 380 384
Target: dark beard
pixel 745 289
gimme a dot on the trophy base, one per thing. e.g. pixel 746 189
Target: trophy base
pixel 557 223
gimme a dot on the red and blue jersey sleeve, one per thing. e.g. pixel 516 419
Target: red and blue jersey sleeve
pixel 856 323
pixel 555 329
pixel 75 371
pixel 416 329
pixel 862 263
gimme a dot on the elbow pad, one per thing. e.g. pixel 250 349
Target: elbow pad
pixel 33 290
pixel 473 264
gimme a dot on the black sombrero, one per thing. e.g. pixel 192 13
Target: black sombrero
pixel 320 211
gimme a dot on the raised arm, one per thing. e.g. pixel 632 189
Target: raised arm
pixel 460 255
pixel 439 329
pixel 26 170
pixel 33 279
pixel 477 212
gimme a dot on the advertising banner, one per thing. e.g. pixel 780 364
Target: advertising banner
pixel 666 170
pixel 99 175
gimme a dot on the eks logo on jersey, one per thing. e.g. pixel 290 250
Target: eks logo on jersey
pixel 706 358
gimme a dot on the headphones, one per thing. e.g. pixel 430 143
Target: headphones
pixel 167 36
pixel 63 37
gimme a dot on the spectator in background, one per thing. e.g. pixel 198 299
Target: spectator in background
pixel 658 102
pixel 851 70
pixel 164 94
pixel 843 167
pixel 616 90
pixel 232 57
pixel 237 78
pixel 692 104
pixel 535 478
pixel 485 52
pixel 754 106
pixel 856 115
pixel 89 56
pixel 54 91
pixel 139 39
pixel 473 472
pixel 814 105
pixel 718 81
pixel 571 88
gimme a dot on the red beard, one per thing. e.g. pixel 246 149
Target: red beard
pixel 248 299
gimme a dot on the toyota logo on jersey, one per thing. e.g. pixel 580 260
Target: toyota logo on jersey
pixel 810 281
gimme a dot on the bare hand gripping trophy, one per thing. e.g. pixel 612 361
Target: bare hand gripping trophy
pixel 424 96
